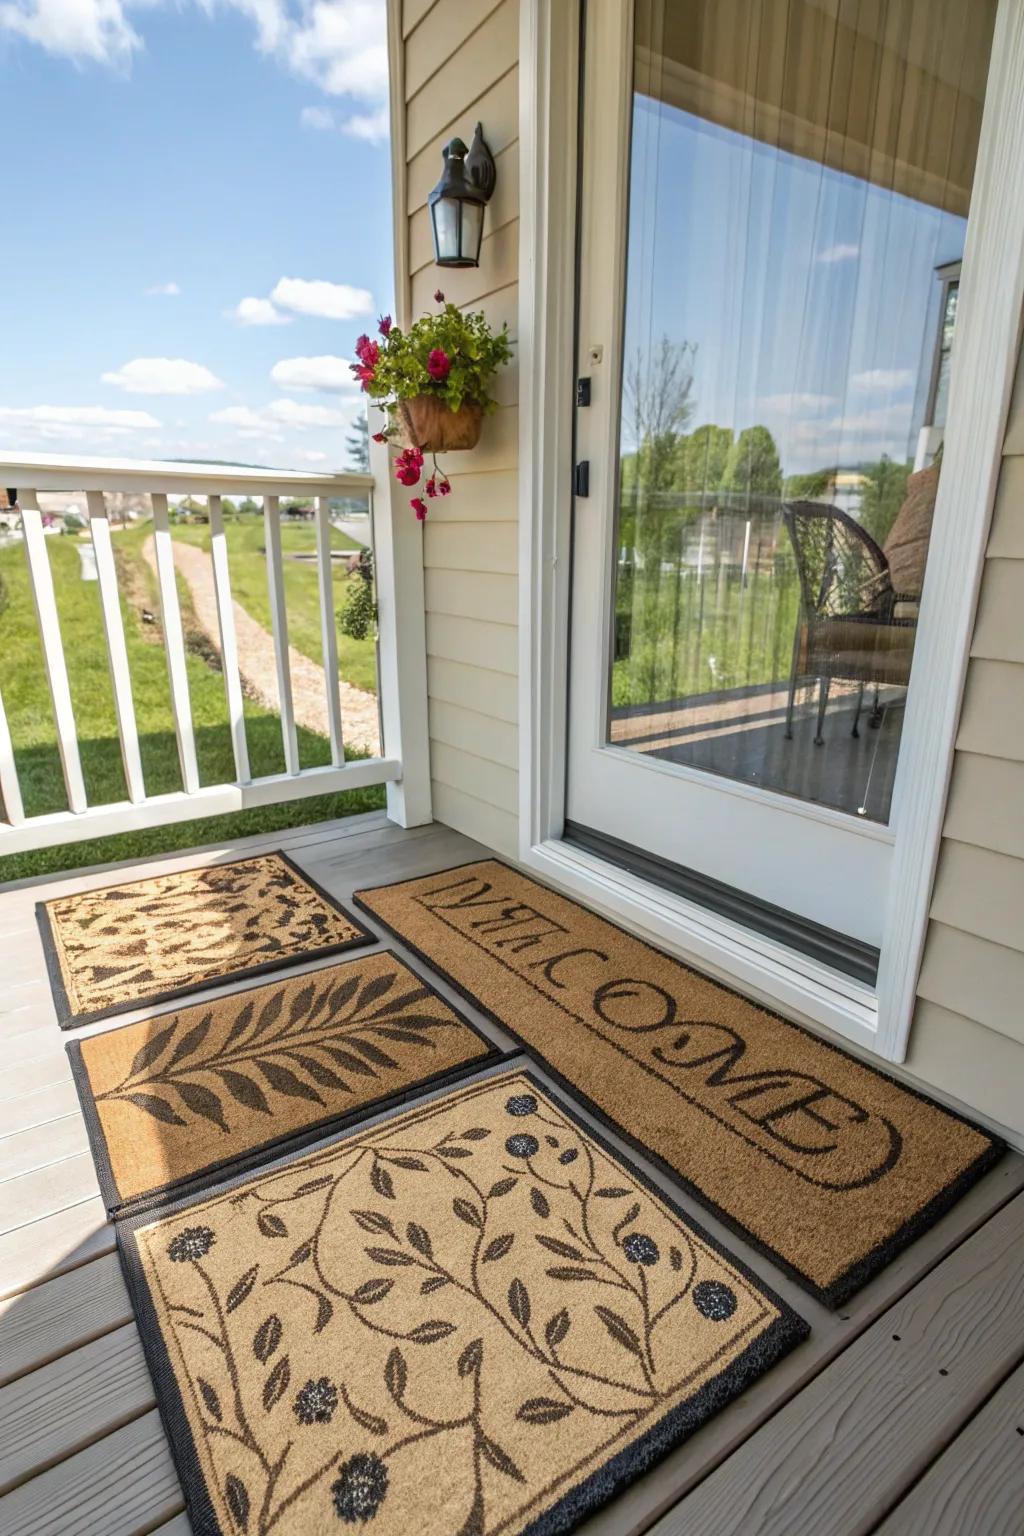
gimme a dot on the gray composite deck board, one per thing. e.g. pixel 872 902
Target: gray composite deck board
pixel 53 1319
pixel 839 1456
pixel 87 1450
pixel 977 1484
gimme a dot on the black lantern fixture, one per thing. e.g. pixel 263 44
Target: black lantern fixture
pixel 457 202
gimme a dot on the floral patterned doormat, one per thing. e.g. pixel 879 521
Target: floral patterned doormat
pixel 177 1097
pixel 147 941
pixel 471 1317
pixel 829 1166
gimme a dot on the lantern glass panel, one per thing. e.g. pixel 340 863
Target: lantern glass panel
pixel 446 228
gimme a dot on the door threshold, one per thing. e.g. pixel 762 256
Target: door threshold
pixel 797 985
pixel 836 951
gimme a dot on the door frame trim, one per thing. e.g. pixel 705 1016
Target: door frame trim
pixel 991 298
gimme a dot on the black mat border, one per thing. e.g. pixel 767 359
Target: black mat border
pixel 66 1019
pixel 213 1173
pixel 782 1336
pixel 863 1269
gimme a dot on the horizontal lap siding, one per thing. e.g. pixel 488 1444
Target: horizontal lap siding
pixel 460 67
pixel 968 1034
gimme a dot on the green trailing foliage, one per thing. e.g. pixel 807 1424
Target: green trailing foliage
pixel 358 617
pixel 451 355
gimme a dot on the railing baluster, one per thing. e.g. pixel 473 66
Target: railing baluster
pixel 279 616
pixel 117 653
pixel 41 581
pixel 328 627
pixel 174 645
pixel 10 790
pixel 228 640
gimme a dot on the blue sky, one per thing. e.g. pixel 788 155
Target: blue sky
pixel 198 225
pixel 810 294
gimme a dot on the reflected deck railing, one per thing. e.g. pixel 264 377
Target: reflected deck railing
pixel 26 478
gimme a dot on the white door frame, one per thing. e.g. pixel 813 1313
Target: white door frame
pixel 990 307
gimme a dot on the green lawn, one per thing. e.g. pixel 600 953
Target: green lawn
pixel 27 702
pixel 357 660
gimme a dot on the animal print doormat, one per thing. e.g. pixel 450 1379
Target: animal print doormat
pixel 181 1095
pixel 470 1317
pixel 147 941
pixel 830 1167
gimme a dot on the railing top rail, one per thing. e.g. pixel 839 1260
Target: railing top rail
pixel 60 472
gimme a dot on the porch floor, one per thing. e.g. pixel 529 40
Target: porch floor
pixel 903 1413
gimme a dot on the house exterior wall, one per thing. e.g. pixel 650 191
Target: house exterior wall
pixel 967 1040
pixel 459 69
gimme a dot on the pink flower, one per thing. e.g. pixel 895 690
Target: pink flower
pixel 367 352
pixel 445 487
pixel 419 506
pixel 439 365
pixel 384 325
pixel 379 437
pixel 439 296
pixel 431 487
pixel 408 466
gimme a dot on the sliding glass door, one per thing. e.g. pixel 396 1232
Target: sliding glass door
pixel 776 197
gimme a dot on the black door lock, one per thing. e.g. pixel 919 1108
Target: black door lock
pixel 582 478
pixel 582 392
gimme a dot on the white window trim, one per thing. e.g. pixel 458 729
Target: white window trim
pixel 991 297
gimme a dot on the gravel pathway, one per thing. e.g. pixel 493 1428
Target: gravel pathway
pixel 259 668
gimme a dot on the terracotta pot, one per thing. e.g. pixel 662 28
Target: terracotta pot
pixel 429 423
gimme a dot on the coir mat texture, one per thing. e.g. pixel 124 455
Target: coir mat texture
pixel 829 1166
pixel 186 1093
pixel 147 941
pixel 470 1317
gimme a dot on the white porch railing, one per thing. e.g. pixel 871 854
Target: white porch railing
pixel 97 478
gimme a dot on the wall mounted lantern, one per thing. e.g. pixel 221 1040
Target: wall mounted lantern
pixel 457 202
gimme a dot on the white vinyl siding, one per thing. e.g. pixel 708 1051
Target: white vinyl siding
pixel 460 68
pixel 967 1038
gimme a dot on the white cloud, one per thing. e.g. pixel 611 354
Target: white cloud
pixel 884 378
pixel 833 253
pixel 320 118
pixel 797 402
pixel 163 376
pixel 340 46
pixel 373 127
pixel 271 420
pixel 311 456
pixel 259 312
pixel 164 290
pixel 329 374
pixel 73 423
pixel 327 301
pixel 93 30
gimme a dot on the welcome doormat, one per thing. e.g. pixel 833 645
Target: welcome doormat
pixel 471 1317
pixel 187 1093
pixel 829 1166
pixel 147 941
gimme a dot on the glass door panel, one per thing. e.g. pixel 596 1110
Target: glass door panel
pixel 799 179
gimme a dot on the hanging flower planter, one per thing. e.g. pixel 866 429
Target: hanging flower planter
pixel 434 383
pixel 430 424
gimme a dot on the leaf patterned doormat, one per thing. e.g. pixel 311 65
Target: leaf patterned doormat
pixel 827 1165
pixel 147 941
pixel 179 1096
pixel 469 1318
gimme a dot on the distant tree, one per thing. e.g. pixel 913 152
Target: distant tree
pixel 882 494
pixel 247 505
pixel 752 468
pixel 703 457
pixel 809 487
pixel 357 445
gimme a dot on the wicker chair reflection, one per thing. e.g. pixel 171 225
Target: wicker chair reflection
pixel 851 624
